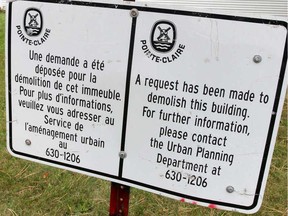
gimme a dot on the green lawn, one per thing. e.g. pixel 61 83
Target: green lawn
pixel 28 188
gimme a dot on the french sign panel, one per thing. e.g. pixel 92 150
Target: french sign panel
pixel 180 103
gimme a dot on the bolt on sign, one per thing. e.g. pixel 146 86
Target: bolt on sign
pixel 180 103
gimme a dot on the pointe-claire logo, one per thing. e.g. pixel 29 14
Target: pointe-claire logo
pixel 32 31
pixel 33 22
pixel 163 36
pixel 162 46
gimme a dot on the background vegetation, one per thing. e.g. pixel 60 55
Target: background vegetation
pixel 28 188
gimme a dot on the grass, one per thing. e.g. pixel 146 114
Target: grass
pixel 28 188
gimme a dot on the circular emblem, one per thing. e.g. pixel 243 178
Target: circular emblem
pixel 163 36
pixel 33 22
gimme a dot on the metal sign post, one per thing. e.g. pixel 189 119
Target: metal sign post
pixel 119 200
pixel 119 196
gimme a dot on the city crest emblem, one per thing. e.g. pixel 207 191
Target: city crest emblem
pixel 163 46
pixel 33 22
pixel 163 36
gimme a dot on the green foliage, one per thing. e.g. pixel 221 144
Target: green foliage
pixel 28 188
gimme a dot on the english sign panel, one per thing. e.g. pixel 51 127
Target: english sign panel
pixel 180 103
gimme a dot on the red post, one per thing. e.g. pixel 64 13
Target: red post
pixel 119 196
pixel 119 200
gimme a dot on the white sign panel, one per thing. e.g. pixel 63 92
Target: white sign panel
pixel 180 103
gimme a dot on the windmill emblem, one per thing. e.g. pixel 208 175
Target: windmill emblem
pixel 33 22
pixel 163 36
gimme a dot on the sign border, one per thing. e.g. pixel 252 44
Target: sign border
pixel 127 88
